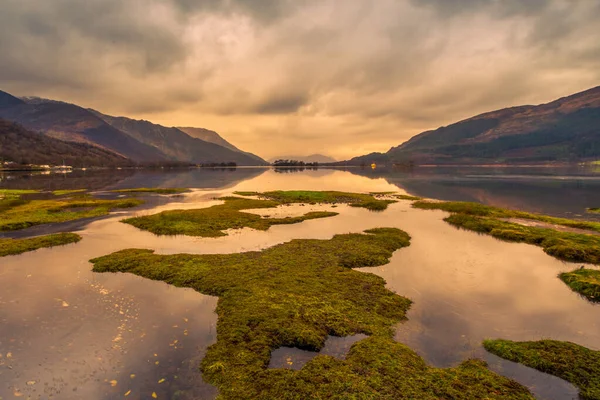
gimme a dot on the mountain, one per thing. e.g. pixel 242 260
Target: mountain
pixel 207 136
pixel 140 141
pixel 19 145
pixel 318 158
pixel 72 123
pixel 214 137
pixel 565 130
pixel 178 145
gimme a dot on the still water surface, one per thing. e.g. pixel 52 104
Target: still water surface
pixel 68 333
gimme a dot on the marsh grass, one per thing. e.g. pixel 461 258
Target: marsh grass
pixel 214 221
pixel 594 210
pixel 567 246
pixel 407 197
pixel 480 210
pixel 18 246
pixel 569 361
pixel 367 201
pixel 296 294
pixel 16 213
pixel 152 190
pixel 586 282
pixel 69 192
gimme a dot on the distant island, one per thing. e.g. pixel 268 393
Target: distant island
pixel 313 158
pixel 564 131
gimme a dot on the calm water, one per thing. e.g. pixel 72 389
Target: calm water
pixel 68 333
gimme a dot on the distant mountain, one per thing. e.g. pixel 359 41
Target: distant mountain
pixel 207 136
pixel 319 158
pixel 140 141
pixel 177 144
pixel 19 145
pixel 213 137
pixel 565 130
pixel 72 123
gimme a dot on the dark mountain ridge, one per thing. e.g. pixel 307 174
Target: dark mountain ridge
pixel 21 146
pixel 177 144
pixel 140 141
pixel 564 130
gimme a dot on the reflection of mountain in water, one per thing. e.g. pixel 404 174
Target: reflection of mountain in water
pixel 200 178
pixel 92 180
pixel 203 178
pixel 553 192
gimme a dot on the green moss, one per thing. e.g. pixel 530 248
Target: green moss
pixel 215 220
pixel 152 190
pixel 296 294
pixel 381 193
pixel 481 210
pixel 594 210
pixel 304 196
pixel 574 247
pixel 569 361
pixel 586 282
pixel 17 246
pixel 407 197
pixel 66 192
pixel 246 193
pixel 19 214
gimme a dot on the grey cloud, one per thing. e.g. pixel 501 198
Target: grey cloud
pixel 500 8
pixel 388 67
pixel 281 103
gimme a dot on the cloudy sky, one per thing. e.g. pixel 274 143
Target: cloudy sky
pixel 340 77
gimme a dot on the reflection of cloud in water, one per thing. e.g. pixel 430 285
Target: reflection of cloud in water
pixel 466 287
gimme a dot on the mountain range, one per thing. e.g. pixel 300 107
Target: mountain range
pixel 135 140
pixel 565 130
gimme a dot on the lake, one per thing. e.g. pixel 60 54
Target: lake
pixel 69 333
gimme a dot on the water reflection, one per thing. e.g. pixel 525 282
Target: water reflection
pixel 292 358
pixel 77 334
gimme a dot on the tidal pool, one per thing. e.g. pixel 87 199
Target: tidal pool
pixel 68 333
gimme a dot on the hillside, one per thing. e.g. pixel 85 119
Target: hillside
pixel 177 144
pixel 318 158
pixel 19 145
pixel 213 137
pixel 565 130
pixel 140 141
pixel 72 123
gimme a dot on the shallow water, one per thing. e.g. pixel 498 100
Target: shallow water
pixel 72 333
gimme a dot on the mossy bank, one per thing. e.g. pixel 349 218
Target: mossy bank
pixel 296 294
pixel 584 281
pixel 10 247
pixel 368 201
pixel 567 246
pixel 569 361
pixel 19 213
pixel 216 220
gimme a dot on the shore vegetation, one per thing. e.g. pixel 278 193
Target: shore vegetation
pixel 296 294
pixel 569 361
pixel 216 220
pixel 10 247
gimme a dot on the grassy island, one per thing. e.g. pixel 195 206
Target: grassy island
pixel 568 246
pixel 152 190
pixel 214 221
pixel 18 213
pixel 569 361
pixel 367 201
pixel 594 210
pixel 296 294
pixel 584 281
pixel 10 247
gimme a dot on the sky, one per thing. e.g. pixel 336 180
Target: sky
pixel 295 77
